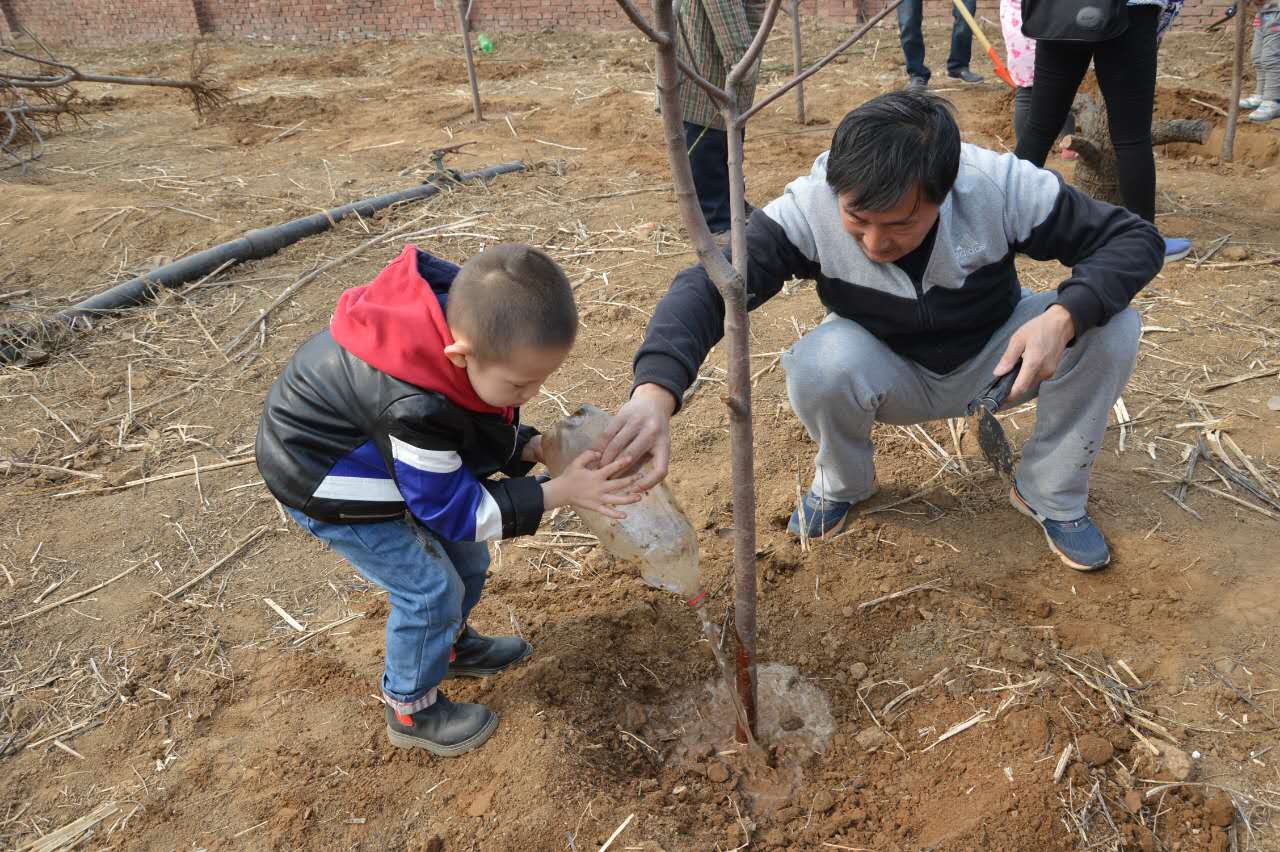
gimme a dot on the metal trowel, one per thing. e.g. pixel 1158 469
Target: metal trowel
pixel 991 437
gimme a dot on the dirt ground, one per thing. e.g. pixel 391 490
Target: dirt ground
pixel 206 721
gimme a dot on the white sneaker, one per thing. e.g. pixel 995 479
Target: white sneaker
pixel 1251 102
pixel 1267 112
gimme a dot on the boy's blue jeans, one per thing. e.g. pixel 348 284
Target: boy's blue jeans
pixel 432 586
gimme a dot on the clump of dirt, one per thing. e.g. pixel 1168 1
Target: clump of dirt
pixel 256 122
pixel 419 71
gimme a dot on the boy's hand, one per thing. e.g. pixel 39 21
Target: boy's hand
pixel 584 486
pixel 532 452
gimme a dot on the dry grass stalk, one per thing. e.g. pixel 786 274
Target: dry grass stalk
pixel 69 598
pixel 235 550
pixel 934 585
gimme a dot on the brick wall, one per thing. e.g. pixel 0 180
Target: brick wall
pixel 101 22
pixel 326 20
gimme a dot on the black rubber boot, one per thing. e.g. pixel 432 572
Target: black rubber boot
pixel 481 656
pixel 446 728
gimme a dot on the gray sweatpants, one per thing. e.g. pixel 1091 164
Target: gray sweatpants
pixel 841 380
pixel 1266 55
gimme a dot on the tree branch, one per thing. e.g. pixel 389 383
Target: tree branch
pixel 662 40
pixel 821 63
pixel 633 14
pixel 753 50
pixel 1179 130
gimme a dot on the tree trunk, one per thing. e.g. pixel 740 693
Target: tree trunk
pixel 1237 81
pixel 1096 171
pixel 464 15
pixel 797 56
pixel 730 280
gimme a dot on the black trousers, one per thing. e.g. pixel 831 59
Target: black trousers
pixel 709 157
pixel 911 34
pixel 1126 69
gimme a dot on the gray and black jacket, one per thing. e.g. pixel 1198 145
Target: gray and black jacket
pixel 1000 206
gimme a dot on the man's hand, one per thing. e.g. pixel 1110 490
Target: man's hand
pixel 1040 344
pixel 640 428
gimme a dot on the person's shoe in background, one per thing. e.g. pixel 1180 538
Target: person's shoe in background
pixel 1175 249
pixel 1269 111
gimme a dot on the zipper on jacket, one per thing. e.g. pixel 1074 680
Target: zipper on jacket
pixel 922 310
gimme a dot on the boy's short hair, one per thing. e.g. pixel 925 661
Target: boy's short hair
pixel 512 296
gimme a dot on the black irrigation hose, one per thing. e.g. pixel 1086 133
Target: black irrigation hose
pixel 15 341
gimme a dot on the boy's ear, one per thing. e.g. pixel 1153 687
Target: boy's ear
pixel 457 353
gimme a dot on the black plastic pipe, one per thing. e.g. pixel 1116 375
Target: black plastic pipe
pixel 255 245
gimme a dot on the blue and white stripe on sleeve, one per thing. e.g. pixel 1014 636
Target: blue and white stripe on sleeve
pixel 359 475
pixel 443 495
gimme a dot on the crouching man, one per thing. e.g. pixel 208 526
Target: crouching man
pixel 910 235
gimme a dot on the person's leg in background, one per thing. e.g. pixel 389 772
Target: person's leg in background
pixel 1060 68
pixel 709 158
pixel 911 34
pixel 1255 58
pixel 962 45
pixel 1126 69
pixel 1267 63
pixel 1021 111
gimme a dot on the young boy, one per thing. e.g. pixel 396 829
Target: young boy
pixel 380 438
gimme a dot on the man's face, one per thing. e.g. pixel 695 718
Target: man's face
pixel 887 235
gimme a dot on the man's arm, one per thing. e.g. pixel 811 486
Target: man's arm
pixel 1112 253
pixel 689 320
pixel 687 323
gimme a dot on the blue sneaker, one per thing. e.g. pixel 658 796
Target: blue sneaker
pixel 1078 543
pixel 1175 249
pixel 820 517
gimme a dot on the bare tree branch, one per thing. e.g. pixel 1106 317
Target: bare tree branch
pixel 753 50
pixel 662 40
pixel 634 15
pixel 821 63
pixel 205 94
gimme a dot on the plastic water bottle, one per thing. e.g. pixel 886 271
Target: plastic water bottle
pixel 656 535
pixel 483 41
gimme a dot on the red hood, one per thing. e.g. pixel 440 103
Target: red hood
pixel 395 324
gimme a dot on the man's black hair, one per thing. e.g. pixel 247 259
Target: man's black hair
pixel 511 296
pixel 891 143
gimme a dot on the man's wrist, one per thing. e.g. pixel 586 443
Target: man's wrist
pixel 1063 319
pixel 658 395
